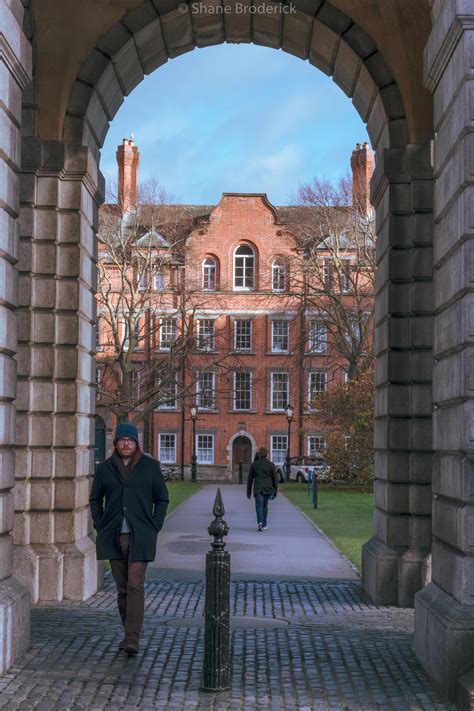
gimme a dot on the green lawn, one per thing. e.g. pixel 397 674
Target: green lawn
pixel 344 515
pixel 179 491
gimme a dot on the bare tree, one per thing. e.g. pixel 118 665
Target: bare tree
pixel 146 310
pixel 335 274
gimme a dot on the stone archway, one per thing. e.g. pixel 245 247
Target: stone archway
pixel 61 192
pixel 394 560
pixel 61 189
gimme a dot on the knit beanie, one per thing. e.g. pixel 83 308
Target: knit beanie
pixel 126 429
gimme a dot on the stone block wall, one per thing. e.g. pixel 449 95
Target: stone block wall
pixel 444 629
pixel 395 561
pixel 15 75
pixel 54 554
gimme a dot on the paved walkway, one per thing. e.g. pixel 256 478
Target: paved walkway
pixel 291 547
pixel 306 643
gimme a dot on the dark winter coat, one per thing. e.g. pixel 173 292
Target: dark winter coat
pixel 262 476
pixel 142 500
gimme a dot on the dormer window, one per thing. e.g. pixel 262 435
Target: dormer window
pixel 244 268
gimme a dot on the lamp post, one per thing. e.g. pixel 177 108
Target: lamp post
pixel 193 411
pixel 289 417
pixel 241 463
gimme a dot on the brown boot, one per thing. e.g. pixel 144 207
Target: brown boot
pixel 130 647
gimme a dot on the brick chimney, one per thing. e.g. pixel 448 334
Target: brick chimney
pixel 128 159
pixel 362 165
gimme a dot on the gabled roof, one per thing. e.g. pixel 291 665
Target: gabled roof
pixel 153 239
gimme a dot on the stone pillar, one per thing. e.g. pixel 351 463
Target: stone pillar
pixel 15 74
pixel 394 561
pixel 54 553
pixel 444 610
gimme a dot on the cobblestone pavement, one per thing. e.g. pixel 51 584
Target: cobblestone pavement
pixel 296 646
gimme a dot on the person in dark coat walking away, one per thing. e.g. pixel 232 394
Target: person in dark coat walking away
pixel 263 478
pixel 128 503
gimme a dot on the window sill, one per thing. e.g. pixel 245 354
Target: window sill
pixel 242 412
pixel 275 412
pixel 279 353
pixel 242 353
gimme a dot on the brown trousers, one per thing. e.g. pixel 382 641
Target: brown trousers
pixel 130 581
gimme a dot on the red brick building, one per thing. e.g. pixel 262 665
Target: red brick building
pixel 257 345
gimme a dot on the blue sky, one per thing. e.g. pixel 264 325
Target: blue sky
pixel 236 118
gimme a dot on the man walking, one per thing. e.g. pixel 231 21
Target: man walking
pixel 132 487
pixel 262 476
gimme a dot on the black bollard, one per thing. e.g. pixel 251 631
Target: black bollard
pixel 216 676
pixel 315 490
pixel 241 472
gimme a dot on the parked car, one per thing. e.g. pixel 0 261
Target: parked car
pixel 302 467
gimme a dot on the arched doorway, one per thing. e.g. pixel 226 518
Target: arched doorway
pixel 241 452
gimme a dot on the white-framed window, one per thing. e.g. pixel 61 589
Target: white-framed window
pixel 138 335
pixel 278 276
pixel 244 267
pixel 98 329
pixel 205 448
pixel 126 336
pixel 327 273
pixel 242 390
pixel 206 334
pixel 167 447
pixel 209 274
pixel 169 395
pixel 138 328
pixel 243 335
pixel 278 448
pixel 317 336
pixel 206 390
pixel 344 276
pixel 143 283
pixel 136 384
pixel 316 445
pixel 168 333
pixel 354 331
pixel 279 395
pixel 317 381
pixel 280 336
pixel 158 280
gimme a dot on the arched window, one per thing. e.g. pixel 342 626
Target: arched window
pixel 209 274
pixel 244 267
pixel 278 276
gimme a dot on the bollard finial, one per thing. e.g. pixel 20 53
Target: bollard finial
pixel 218 527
